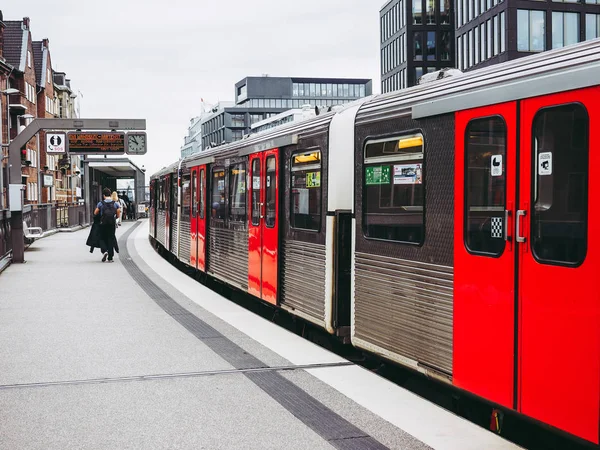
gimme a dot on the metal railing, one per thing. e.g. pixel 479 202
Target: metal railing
pixel 51 216
pixel 5 237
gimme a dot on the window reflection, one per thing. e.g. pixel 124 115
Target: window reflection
pixel 531 31
pixel 592 26
pixel 565 29
pixel 418 46
pixel 431 46
pixel 417 10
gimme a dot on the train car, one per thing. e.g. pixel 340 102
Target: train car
pixel 446 227
pixel 474 245
pixel 220 213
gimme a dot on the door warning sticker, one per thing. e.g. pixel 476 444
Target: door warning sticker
pixel 496 165
pixel 497 228
pixel 545 163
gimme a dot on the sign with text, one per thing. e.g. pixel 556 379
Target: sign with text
pixel 97 143
pixel 48 181
pixel 55 143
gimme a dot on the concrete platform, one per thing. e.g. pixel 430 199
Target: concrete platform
pixel 136 354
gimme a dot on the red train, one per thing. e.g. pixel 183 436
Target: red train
pixel 447 227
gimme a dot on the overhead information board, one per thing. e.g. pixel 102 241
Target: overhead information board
pixel 98 143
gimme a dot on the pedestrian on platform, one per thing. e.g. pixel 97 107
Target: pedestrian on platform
pixel 109 211
pixel 115 198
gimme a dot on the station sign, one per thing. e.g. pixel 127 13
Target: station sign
pixel 56 143
pixel 96 143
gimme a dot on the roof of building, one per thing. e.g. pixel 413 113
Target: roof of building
pixel 15 44
pixel 39 62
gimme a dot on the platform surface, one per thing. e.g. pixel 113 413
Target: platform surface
pixel 137 355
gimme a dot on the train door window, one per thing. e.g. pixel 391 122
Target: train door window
pixel 237 193
pixel 393 201
pixel 485 190
pixel 256 191
pixel 218 194
pixel 194 194
pixel 560 192
pixel 271 192
pixel 306 191
pixel 186 195
pixel 201 193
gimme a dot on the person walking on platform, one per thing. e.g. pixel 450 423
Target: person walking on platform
pixel 109 211
pixel 115 198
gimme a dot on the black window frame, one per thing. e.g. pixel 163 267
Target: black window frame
pixel 215 169
pixel 304 152
pixel 466 179
pixel 186 206
pixel 194 193
pixel 231 193
pixel 255 212
pixel 202 193
pixel 273 186
pixel 386 138
pixel 548 262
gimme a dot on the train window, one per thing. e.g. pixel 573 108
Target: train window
pixel 485 185
pixel 271 192
pixel 194 196
pixel 256 191
pixel 186 195
pixel 237 193
pixel 202 194
pixel 305 211
pixel 393 189
pixel 218 194
pixel 560 191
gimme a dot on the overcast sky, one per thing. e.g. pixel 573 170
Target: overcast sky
pixel 156 59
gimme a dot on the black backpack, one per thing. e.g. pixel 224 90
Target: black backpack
pixel 108 213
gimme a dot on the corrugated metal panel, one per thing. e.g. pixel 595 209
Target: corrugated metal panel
pixel 405 307
pixel 174 235
pixel 228 256
pixel 585 56
pixel 185 243
pixel 303 278
pixel 160 226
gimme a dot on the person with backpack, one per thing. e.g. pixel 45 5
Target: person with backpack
pixel 109 211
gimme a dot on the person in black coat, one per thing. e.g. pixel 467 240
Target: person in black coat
pixel 93 239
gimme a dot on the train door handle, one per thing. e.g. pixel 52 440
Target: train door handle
pixel 262 211
pixel 507 237
pixel 519 238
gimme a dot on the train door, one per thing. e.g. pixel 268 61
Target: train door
pixel 199 217
pixel 484 253
pixel 559 256
pixel 263 225
pixel 194 217
pixel 152 208
pixel 168 202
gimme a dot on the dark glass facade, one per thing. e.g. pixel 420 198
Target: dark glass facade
pixel 493 31
pixel 416 37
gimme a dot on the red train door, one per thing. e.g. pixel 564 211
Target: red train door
pixel 484 253
pixel 194 217
pixel 263 225
pixel 559 257
pixel 201 219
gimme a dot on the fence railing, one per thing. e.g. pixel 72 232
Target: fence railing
pixel 5 236
pixel 54 215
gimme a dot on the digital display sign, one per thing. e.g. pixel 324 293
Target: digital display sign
pixel 98 143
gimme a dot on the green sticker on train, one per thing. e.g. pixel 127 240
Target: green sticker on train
pixel 313 179
pixel 377 175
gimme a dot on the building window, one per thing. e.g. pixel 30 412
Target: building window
pixel 531 31
pixel 430 12
pixel 237 193
pixel 465 43
pixel 490 41
pixel 502 32
pixel 418 46
pixel 417 10
pixel 242 91
pixel 483 53
pixel 496 37
pixel 431 46
pixel 471 49
pixel 459 63
pixel 294 89
pixel 393 200
pixel 592 26
pixel 565 29
pixel 418 73
pixel 476 45
pixel 445 49
pixel 28 59
pixel 458 13
pixel 305 210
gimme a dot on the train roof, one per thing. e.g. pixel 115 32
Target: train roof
pixel 573 67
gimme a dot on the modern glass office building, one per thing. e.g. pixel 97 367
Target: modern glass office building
pixel 416 37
